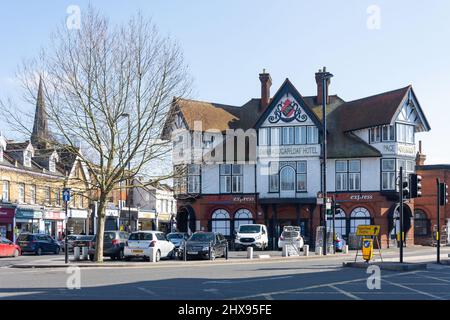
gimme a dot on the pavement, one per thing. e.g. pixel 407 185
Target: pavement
pixel 316 277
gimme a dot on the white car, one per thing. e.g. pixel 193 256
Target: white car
pixel 140 242
pixel 251 235
pixel 290 236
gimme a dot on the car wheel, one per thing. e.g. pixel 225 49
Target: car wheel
pixel 39 251
pixel 91 257
pixel 158 256
pixel 57 250
pixel 16 253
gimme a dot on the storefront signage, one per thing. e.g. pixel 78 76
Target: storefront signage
pixel 361 197
pixel 79 214
pixel 146 215
pixel 289 151
pixel 112 213
pixel 244 199
pixel 28 214
pixel 50 215
pixel 398 149
pixel 6 213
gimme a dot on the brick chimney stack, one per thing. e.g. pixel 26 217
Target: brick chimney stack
pixel 266 82
pixel 420 158
pixel 319 83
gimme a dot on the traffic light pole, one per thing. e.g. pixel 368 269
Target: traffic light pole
pixel 334 223
pixel 401 214
pixel 438 236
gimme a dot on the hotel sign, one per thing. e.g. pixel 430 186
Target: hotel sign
pixel 289 151
pixel 398 149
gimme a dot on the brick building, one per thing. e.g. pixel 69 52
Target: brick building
pixel 261 162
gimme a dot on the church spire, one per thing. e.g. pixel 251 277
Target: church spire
pixel 40 137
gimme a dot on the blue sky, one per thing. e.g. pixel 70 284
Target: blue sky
pixel 227 43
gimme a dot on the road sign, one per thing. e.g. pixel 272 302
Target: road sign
pixel 66 195
pixel 367 249
pixel 367 230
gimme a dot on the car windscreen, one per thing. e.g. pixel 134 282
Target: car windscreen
pixel 85 238
pixel 25 237
pixel 143 236
pixel 175 236
pixel 108 236
pixel 203 237
pixel 249 229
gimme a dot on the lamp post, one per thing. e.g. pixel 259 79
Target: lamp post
pixel 326 76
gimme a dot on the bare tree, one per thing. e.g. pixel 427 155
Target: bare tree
pixel 108 88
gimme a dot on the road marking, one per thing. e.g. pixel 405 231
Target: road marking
pixel 243 281
pixel 414 290
pixel 436 278
pixel 268 297
pixel 147 291
pixel 348 294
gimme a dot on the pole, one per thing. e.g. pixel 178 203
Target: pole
pixel 129 170
pixel 438 236
pixel 66 253
pixel 401 214
pixel 334 223
pixel 324 164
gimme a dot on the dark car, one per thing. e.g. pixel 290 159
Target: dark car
pixel 38 243
pixel 209 245
pixel 113 244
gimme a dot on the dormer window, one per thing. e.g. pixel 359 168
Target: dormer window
pixel 52 165
pixel 27 158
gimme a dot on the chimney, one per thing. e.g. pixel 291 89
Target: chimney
pixel 420 158
pixel 319 82
pixel 266 82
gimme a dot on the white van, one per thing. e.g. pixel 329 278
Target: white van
pixel 254 235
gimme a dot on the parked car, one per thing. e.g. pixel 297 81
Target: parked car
pixel 254 235
pixel 339 242
pixel 113 245
pixel 9 248
pixel 83 241
pixel 209 245
pixel 37 243
pixel 290 236
pixel 140 242
pixel 178 239
pixel 70 239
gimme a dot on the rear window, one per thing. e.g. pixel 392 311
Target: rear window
pixel 84 238
pixel 109 236
pixel 175 236
pixel 141 236
pixel 25 237
pixel 290 234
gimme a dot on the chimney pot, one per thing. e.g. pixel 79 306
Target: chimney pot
pixel 266 82
pixel 319 83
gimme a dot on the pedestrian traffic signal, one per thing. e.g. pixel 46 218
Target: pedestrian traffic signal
pixel 443 194
pixel 416 185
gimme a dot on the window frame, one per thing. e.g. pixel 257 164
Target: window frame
pixel 6 190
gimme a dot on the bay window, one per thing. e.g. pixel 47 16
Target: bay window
pixel 405 133
pixel 274 177
pixel 231 178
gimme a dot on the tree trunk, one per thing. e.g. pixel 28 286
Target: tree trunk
pixel 100 229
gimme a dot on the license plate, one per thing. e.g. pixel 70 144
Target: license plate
pixel 192 252
pixel 138 251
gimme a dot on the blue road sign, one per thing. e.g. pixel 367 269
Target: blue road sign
pixel 66 195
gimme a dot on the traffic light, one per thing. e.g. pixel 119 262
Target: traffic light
pixel 443 194
pixel 416 185
pixel 405 189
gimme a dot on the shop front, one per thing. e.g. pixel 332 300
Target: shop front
pixel 146 220
pixel 129 219
pixel 112 220
pixel 162 221
pixel 29 220
pixel 77 221
pixel 54 223
pixel 7 222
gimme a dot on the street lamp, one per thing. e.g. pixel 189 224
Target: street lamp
pixel 325 76
pixel 127 115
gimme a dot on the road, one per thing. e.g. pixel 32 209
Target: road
pixel 318 278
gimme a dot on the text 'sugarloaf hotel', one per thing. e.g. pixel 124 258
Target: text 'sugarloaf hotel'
pixel 261 162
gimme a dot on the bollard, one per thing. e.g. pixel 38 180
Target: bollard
pixel 85 253
pixel 285 253
pixel 345 249
pixel 306 250
pixel 210 252
pixel 184 251
pixel 249 252
pixel 319 251
pixel 76 253
pixel 152 254
pixel 226 252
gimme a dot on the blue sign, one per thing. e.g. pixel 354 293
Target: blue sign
pixel 66 195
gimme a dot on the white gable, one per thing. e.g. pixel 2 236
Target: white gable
pixel 287 112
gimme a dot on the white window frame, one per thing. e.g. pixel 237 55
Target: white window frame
pixel 388 175
pixel 264 136
pixel 193 178
pixel 302 174
pixel 312 135
pixel 5 191
pixel 301 135
pixel 21 193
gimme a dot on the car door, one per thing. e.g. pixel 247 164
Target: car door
pixel 9 248
pixel 2 247
pixel 42 243
pixel 162 244
pixel 50 244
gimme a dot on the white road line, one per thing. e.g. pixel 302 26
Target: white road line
pixel 230 281
pixel 348 294
pixel 149 292
pixel 414 290
pixel 436 278
pixel 268 297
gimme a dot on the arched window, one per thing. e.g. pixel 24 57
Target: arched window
pixel 242 216
pixel 287 179
pixel 421 223
pixel 220 222
pixel 359 216
pixel 340 223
